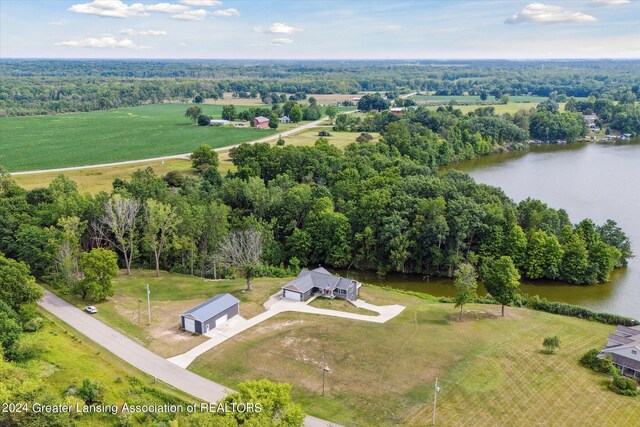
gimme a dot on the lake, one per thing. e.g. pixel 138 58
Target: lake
pixel 587 180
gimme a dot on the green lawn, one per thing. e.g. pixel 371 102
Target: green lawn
pixel 69 358
pixel 45 142
pixel 491 369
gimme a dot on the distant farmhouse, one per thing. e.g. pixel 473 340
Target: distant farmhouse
pixel 322 283
pixel 285 119
pixel 210 314
pixel 397 110
pixel 260 122
pixel 623 347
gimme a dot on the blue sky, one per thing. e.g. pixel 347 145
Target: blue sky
pixel 330 29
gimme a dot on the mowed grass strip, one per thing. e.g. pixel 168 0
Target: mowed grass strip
pixel 78 139
pixel 492 370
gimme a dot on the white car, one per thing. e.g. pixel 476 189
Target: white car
pixel 91 309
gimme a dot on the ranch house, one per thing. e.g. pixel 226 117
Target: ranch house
pixel 623 347
pixel 322 283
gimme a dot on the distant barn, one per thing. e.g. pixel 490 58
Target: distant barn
pixel 260 122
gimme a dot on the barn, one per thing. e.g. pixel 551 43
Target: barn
pixel 260 122
pixel 210 314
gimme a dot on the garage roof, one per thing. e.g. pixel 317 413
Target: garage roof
pixel 211 307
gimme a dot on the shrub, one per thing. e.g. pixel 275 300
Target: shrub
pixel 591 360
pixel 551 344
pixel 624 386
pixel 174 179
pixel 364 137
pixel 280 142
pixel 27 348
pixel 90 391
pixel 204 120
pixel 324 132
pixel 34 324
pixel 541 304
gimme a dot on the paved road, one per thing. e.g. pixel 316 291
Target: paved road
pixel 138 356
pixel 178 156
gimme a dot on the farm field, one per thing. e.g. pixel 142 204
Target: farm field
pixel 95 180
pixel 476 98
pixel 69 358
pixel 491 369
pixel 76 139
pixel 171 295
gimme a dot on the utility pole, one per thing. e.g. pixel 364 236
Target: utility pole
pixel 149 302
pixel 139 302
pixel 435 400
pixel 324 369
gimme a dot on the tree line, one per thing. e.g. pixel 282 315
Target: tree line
pixel 31 87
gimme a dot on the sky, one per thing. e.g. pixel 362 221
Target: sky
pixel 329 29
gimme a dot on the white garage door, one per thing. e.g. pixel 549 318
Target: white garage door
pixel 189 324
pixel 221 320
pixel 292 295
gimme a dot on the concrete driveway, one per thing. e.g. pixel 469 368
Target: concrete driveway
pixel 143 359
pixel 276 305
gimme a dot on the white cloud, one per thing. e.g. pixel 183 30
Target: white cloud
pixel 539 13
pixel 201 2
pixel 278 28
pixel 105 42
pixel 132 32
pixel 226 12
pixel 281 41
pixel 599 3
pixel 119 9
pixel 191 15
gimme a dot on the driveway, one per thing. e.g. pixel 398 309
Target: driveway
pixel 143 359
pixel 276 305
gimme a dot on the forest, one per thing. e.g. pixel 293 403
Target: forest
pixel 31 87
pixel 382 206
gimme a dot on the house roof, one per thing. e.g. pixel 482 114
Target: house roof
pixel 261 119
pixel 625 361
pixel 211 307
pixel 318 278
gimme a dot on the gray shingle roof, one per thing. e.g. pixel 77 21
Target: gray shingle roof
pixel 211 307
pixel 318 278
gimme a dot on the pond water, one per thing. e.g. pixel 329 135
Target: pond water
pixel 587 180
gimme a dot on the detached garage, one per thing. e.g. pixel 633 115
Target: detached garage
pixel 210 314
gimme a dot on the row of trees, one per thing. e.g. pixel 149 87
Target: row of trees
pixel 44 87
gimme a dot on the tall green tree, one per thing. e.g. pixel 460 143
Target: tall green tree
pixel 466 285
pixel 229 112
pixel 241 251
pixel 161 221
pixel 296 113
pixel 17 286
pixel 193 112
pixel 204 158
pixel 100 267
pixel 501 279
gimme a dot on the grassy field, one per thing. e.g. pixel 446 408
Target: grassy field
pixel 94 180
pixel 491 369
pixel 69 358
pixel 171 294
pixel 476 98
pixel 65 140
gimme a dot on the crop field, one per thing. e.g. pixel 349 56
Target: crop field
pixel 46 142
